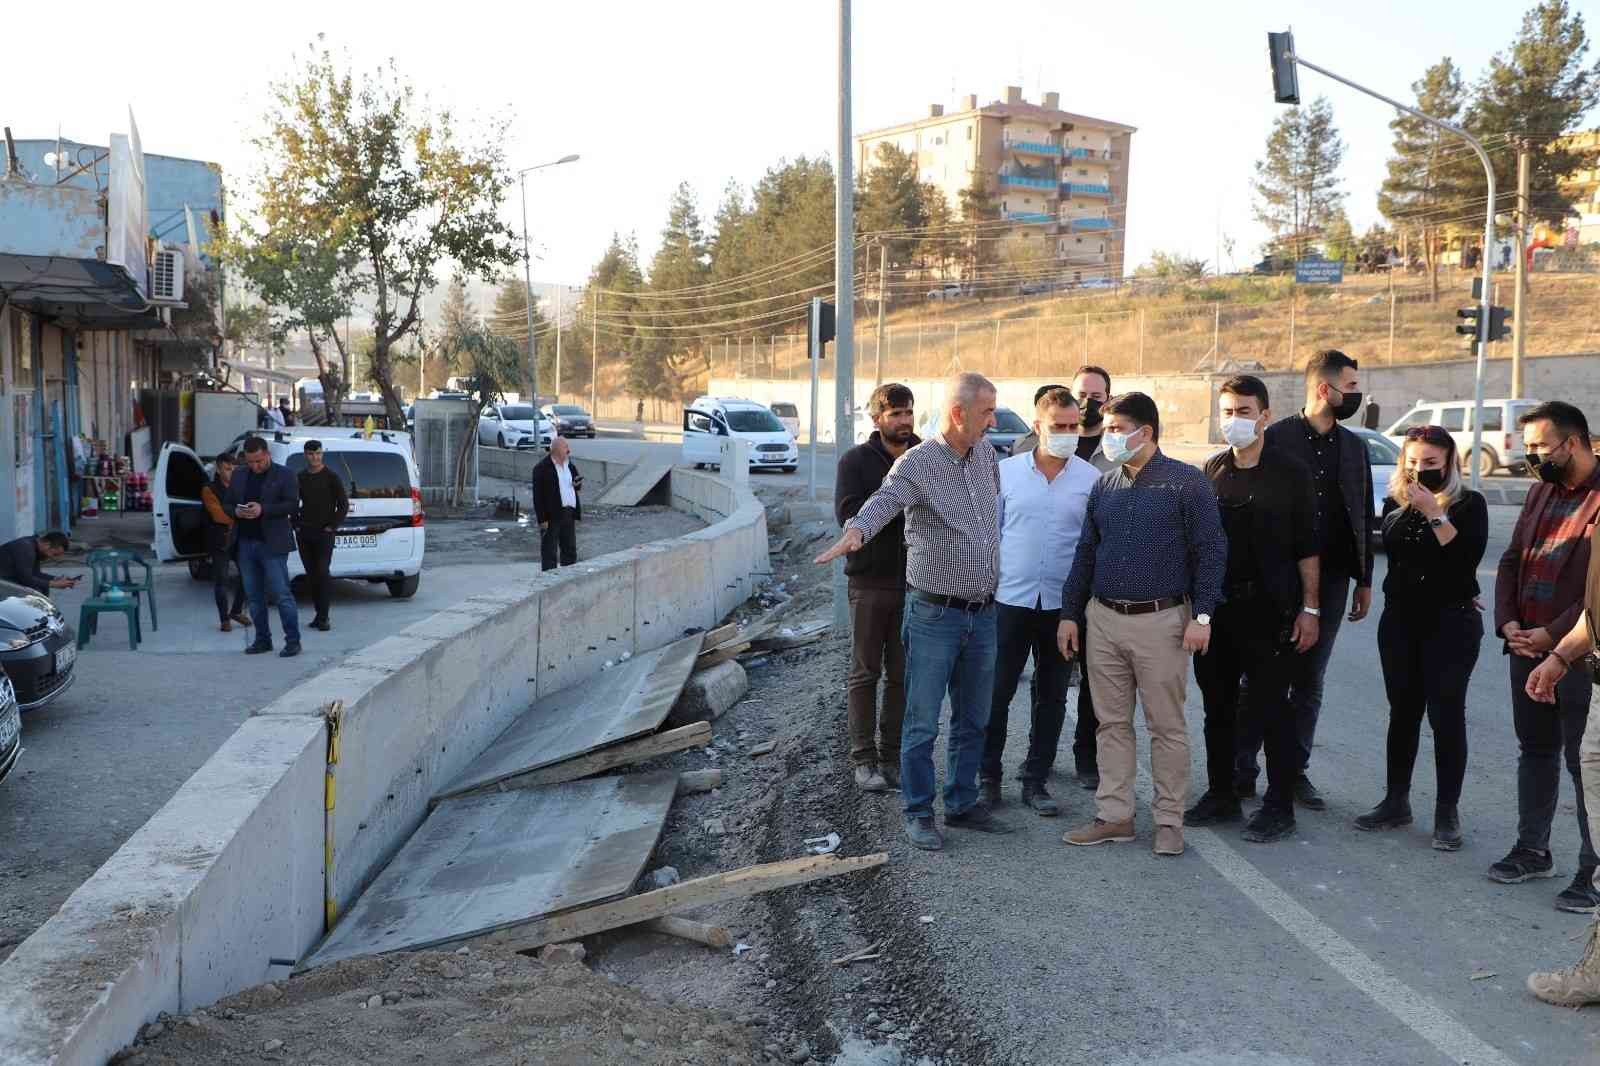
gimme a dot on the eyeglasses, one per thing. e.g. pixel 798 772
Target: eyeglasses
pixel 1437 435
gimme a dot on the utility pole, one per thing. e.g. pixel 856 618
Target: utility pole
pixel 560 289
pixel 843 293
pixel 594 352
pixel 1519 322
pixel 883 260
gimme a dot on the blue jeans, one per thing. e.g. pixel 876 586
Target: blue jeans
pixel 947 648
pixel 266 576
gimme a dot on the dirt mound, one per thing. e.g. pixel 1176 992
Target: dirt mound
pixel 485 1007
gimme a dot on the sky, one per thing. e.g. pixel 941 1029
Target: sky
pixel 649 94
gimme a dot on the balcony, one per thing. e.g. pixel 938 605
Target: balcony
pixel 1033 148
pixel 1029 216
pixel 1083 188
pixel 1026 182
pixel 1087 225
pixel 1093 155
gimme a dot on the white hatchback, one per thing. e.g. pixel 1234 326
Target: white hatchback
pixel 381 540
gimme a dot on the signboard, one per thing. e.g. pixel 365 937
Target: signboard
pixel 126 224
pixel 1319 272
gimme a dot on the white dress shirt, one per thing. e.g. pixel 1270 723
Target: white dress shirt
pixel 569 497
pixel 1040 521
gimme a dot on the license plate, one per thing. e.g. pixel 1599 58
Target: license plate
pixel 65 658
pixel 366 540
pixel 10 726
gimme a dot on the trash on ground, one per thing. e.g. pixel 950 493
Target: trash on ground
pixel 824 845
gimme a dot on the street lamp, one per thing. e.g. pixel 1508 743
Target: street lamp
pixel 527 276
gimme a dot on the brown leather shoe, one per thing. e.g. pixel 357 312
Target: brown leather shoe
pixel 1169 840
pixel 1100 832
pixel 242 618
pixel 227 626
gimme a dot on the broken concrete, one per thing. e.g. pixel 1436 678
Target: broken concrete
pixel 709 693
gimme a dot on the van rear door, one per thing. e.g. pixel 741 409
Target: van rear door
pixel 180 517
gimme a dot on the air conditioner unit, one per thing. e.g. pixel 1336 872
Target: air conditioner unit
pixel 166 276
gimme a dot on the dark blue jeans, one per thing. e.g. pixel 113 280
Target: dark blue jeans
pixel 266 576
pixel 947 649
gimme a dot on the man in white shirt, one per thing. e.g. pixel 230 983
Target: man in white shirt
pixel 1044 495
pixel 555 506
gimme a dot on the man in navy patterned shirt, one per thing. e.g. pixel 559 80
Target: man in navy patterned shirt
pixel 1146 576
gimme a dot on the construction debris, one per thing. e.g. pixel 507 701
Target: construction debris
pixel 787 637
pixel 824 845
pixel 766 748
pixel 712 936
pixel 709 693
pixel 690 781
pixel 721 654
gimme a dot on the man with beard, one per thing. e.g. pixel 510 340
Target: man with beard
pixel 877 585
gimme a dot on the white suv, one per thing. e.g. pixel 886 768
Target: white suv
pixel 382 538
pixel 1502 438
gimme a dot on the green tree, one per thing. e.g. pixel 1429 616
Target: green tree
pixel 510 320
pixel 1297 179
pixel 1430 178
pixel 889 198
pixel 1538 90
pixel 679 272
pixel 979 211
pixel 1339 237
pixel 614 285
pixel 1171 266
pixel 389 186
pixel 940 245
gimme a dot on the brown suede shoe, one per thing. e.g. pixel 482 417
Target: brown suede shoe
pixel 1099 832
pixel 1169 840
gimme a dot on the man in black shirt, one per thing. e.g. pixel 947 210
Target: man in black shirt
pixel 323 506
pixel 1268 614
pixel 21 559
pixel 1341 480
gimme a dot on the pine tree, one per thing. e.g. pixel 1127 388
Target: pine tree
pixel 682 262
pixel 1538 90
pixel 889 198
pixel 1297 180
pixel 1430 176
pixel 978 210
pixel 510 320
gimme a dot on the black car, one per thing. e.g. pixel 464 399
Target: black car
pixel 570 420
pixel 37 647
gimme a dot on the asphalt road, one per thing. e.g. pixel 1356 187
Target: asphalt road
pixel 1336 947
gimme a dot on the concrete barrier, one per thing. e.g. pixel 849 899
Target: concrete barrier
pixel 514 465
pixel 229 874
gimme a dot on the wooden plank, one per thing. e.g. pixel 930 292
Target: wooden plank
pixel 720 635
pixel 500 859
pixel 699 780
pixel 628 700
pixel 708 659
pixel 712 936
pixel 629 751
pixel 686 895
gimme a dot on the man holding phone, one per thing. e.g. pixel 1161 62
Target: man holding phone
pixel 264 501
pixel 21 561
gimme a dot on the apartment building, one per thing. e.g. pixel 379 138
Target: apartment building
pixel 1584 187
pixel 1054 175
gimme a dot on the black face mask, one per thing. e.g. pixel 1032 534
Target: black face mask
pixel 1349 404
pixel 1091 413
pixel 1432 480
pixel 1553 472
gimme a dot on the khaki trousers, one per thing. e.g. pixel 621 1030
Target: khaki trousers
pixel 1589 763
pixel 1140 656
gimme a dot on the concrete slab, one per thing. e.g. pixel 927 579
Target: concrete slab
pixel 486 862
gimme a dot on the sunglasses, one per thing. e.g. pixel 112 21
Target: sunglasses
pixel 1437 435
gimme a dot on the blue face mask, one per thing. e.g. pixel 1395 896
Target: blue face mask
pixel 1115 446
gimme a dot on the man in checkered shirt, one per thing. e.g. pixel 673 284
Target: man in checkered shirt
pixel 947 486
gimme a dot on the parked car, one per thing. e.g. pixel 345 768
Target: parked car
pixel 1383 456
pixel 710 418
pixel 1008 428
pixel 10 728
pixel 569 419
pixel 946 292
pixel 1502 439
pixel 37 649
pixel 789 415
pixel 381 540
pixel 514 425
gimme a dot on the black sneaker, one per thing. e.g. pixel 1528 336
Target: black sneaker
pixel 260 647
pixel 321 623
pixel 1269 824
pixel 1391 813
pixel 1307 796
pixel 1446 829
pixel 1522 864
pixel 1213 809
pixel 1579 897
pixel 290 650
pixel 976 817
pixel 1244 788
pixel 989 791
pixel 922 834
pixel 1035 795
pixel 1088 778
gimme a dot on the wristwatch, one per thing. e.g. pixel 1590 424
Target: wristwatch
pixel 1314 612
pixel 1202 619
pixel 1437 522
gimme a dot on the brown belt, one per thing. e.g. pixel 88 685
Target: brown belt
pixel 1141 606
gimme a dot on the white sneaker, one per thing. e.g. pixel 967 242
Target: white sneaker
pixel 869 780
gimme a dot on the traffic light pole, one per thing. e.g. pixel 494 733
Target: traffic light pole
pixel 844 294
pixel 1486 298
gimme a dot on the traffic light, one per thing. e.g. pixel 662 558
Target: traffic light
pixel 1285 75
pixel 1498 319
pixel 819 325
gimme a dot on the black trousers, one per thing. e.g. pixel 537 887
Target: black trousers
pixel 1020 631
pixel 1248 641
pixel 316 555
pixel 1084 753
pixel 559 540
pixel 1428 654
pixel 1548 737
pixel 223 579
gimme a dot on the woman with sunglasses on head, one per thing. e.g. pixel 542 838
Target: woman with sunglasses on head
pixel 1434 533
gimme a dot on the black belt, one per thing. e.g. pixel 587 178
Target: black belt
pixel 1141 606
pixel 951 601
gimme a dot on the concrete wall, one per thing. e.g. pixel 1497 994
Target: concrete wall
pixel 518 466
pixel 229 873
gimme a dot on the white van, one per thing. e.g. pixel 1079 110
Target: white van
pixel 382 538
pixel 710 418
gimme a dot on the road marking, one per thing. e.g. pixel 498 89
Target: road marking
pixel 1417 1012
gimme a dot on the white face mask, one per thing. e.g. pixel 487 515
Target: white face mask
pixel 1115 446
pixel 1239 432
pixel 1061 445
